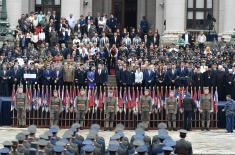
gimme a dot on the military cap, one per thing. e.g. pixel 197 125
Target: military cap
pixel 139 136
pixel 87 142
pixel 115 137
pixel 183 131
pixel 44 136
pixel 20 137
pixel 139 131
pixel 142 149
pixel 34 145
pixel 89 148
pixel 162 125
pixel 73 130
pixel 138 142
pixel 55 126
pixel 67 135
pixel 95 126
pixel 60 143
pixel 42 142
pixel 169 142
pixel 162 135
pixel 58 149
pixel 33 151
pixel 167 148
pixel 91 136
pixel 76 125
pixel 7 143
pixel 48 133
pixel 26 132
pixel 100 140
pixel 120 133
pixel 142 125
pixel 32 129
pixel 113 147
pixel 54 129
pixel 4 150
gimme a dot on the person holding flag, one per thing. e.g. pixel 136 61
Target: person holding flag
pixel 229 112
pixel 81 107
pixel 171 110
pixel 55 108
pixel 146 107
pixel 110 109
pixel 21 103
pixel 206 107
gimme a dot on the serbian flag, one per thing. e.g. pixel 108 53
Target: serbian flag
pixel 63 97
pixel 44 100
pixel 71 95
pixel 125 99
pixel 100 101
pixel 48 98
pixel 92 98
pixel 96 97
pixel 13 97
pixel 194 95
pixel 199 94
pixel 59 92
pixel 159 105
pixel 67 99
pixel 129 99
pixel 34 99
pixel 29 98
pixel 216 101
pixel 153 97
pixel 133 102
pixel 39 99
pixel 137 100
pixel 180 97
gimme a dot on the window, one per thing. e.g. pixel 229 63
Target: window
pixel 48 5
pixel 197 14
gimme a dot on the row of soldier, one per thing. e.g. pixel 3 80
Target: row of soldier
pixel 74 142
pixel 143 104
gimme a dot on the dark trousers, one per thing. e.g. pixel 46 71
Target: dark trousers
pixel 230 122
pixel 187 120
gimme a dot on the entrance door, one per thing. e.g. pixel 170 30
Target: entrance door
pixel 126 12
pixel 48 5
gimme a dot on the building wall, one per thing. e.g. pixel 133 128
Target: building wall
pixel 67 8
pixel 159 16
pixel 151 12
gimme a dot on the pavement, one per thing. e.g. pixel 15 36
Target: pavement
pixel 204 142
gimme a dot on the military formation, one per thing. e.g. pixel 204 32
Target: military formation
pixel 73 142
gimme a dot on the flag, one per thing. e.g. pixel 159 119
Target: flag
pixel 104 97
pixel 100 100
pixel 180 97
pixel 120 100
pixel 47 100
pixel 91 98
pixel 128 105
pixel 96 99
pixel 153 97
pixel 67 99
pixel 44 101
pixel 13 96
pixel 34 99
pixel 71 95
pixel 133 101
pixel 216 101
pixel 199 97
pixel 137 100
pixel 125 99
pixel 29 97
pixel 39 99
pixel 159 105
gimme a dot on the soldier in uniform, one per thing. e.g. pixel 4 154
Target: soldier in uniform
pixel 68 74
pixel 111 109
pixel 206 108
pixel 171 110
pixel 146 107
pixel 182 146
pixel 55 108
pixel 81 106
pixel 21 101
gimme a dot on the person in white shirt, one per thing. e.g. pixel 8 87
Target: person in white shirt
pixel 34 39
pixel 71 21
pixel 76 40
pixel 94 49
pixel 41 36
pixel 201 40
pixel 138 78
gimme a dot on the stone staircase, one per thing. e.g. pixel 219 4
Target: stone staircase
pixel 112 80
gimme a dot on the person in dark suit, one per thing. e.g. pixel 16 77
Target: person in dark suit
pixel 57 77
pixel 115 40
pixel 171 76
pixel 56 21
pixel 182 146
pixel 187 38
pixel 15 74
pixel 197 78
pixel 100 78
pixel 112 23
pixel 182 75
pixel 208 78
pixel 88 17
pixel 131 78
pixel 65 51
pixel 156 39
pixel 149 77
pixel 47 75
pixel 90 29
pixel 80 76
pixel 63 37
pixel 123 74
pixel 4 81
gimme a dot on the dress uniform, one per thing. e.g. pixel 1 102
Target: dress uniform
pixel 229 112
pixel 55 109
pixel 206 108
pixel 171 110
pixel 4 151
pixel 182 146
pixel 111 109
pixel 81 106
pixel 21 107
pixel 68 74
pixel 146 107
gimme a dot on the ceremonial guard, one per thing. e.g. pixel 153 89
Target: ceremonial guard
pixel 81 107
pixel 182 146
pixel 55 108
pixel 68 74
pixel 146 107
pixel 21 101
pixel 206 108
pixel 171 110
pixel 111 109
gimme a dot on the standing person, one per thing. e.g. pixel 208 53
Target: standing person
pixel 201 40
pixel 144 26
pixel 206 108
pixel 21 101
pixel 111 109
pixel 188 107
pixel 182 146
pixel 229 112
pixel 171 110
pixel 81 107
pixel 146 107
pixel 55 108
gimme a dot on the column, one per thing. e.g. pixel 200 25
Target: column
pixel 14 11
pixel 159 21
pixel 175 19
pixel 87 7
pixel 141 10
pixel 228 18
pixel 73 6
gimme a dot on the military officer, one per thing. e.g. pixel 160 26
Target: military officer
pixel 171 110
pixel 21 102
pixel 182 146
pixel 146 107
pixel 55 108
pixel 206 108
pixel 68 74
pixel 81 107
pixel 111 109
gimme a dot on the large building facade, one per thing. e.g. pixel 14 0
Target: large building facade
pixel 170 17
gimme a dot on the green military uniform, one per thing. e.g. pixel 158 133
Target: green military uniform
pixel 81 107
pixel 68 74
pixel 55 110
pixel 206 107
pixel 171 111
pixel 146 107
pixel 21 108
pixel 111 109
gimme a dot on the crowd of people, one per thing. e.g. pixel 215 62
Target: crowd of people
pixel 73 142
